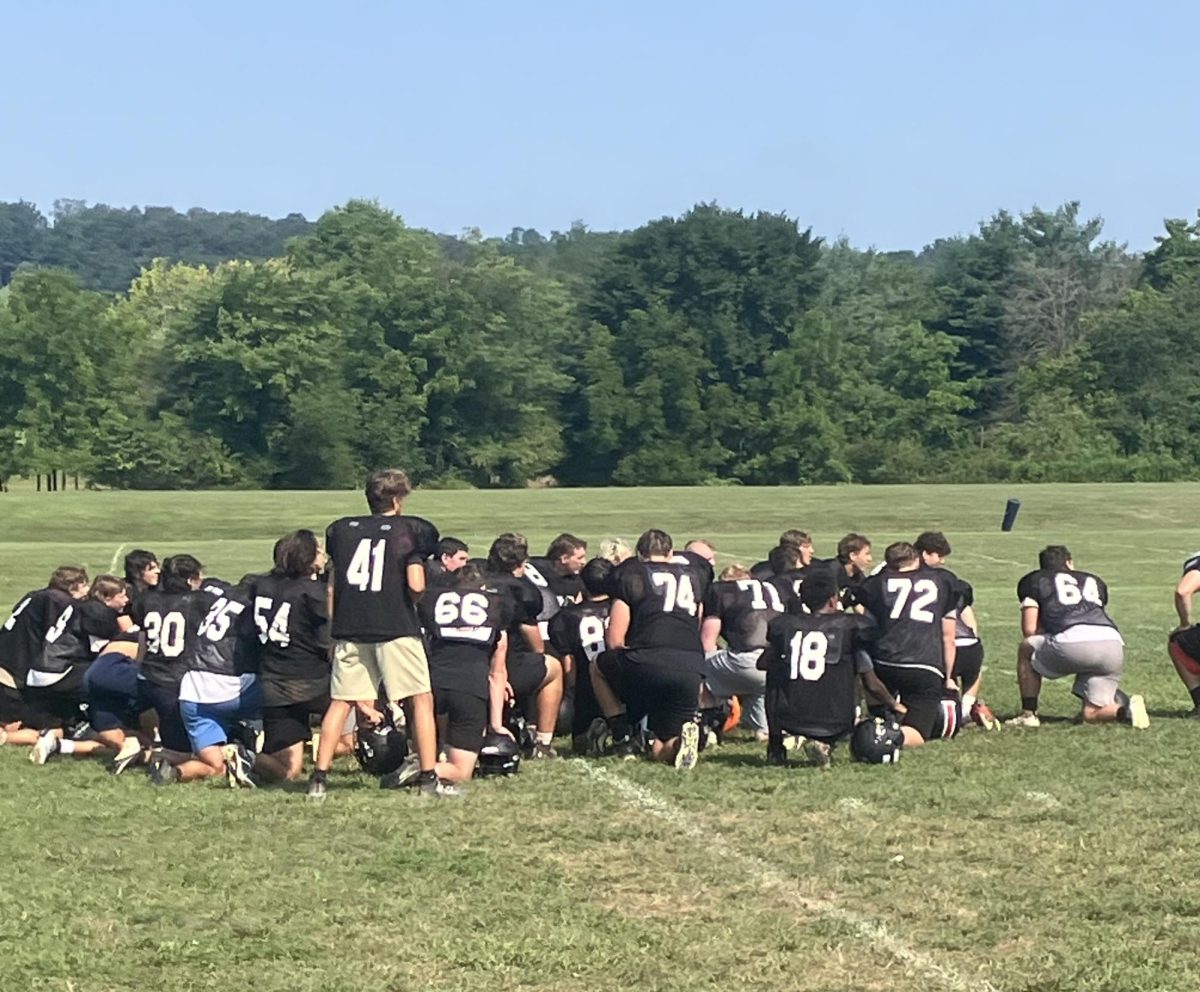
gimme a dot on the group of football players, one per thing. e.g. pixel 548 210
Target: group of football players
pixel 430 666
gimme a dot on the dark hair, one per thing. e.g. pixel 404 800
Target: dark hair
pixel 177 570
pixel 795 538
pixel 136 562
pixel 65 577
pixel 852 544
pixel 508 552
pixel 296 554
pixel 654 543
pixel 469 575
pixel 565 544
pixel 900 553
pixel 933 541
pixel 449 546
pixel 818 590
pixel 385 487
pixel 105 587
pixel 785 558
pixel 1054 557
pixel 595 576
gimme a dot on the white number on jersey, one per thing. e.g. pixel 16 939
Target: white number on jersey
pixel 366 565
pixel 926 595
pixel 1070 593
pixel 165 634
pixel 677 592
pixel 591 636
pixel 808 655
pixel 536 577
pixel 220 616
pixel 470 608
pixel 273 629
pixel 764 596
pixel 55 632
pixel 12 621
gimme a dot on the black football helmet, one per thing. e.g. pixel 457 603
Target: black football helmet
pixel 381 749
pixel 499 755
pixel 877 741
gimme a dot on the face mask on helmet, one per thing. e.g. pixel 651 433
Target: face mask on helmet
pixel 877 741
pixel 499 755
pixel 381 750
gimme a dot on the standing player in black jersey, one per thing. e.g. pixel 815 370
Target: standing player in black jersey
pixel 577 636
pixel 291 616
pixel 738 608
pixel 468 643
pixel 55 684
pixel 535 679
pixel 813 664
pixel 914 656
pixel 22 639
pixel 654 659
pixel 1184 643
pixel 1067 632
pixel 968 654
pixel 376 578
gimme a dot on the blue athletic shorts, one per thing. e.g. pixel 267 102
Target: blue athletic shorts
pixel 208 724
pixel 116 697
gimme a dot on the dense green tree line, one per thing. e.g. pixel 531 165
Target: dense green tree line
pixel 711 348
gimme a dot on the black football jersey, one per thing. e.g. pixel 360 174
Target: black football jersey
pixel 849 584
pixel 369 559
pixel 463 627
pixel 75 639
pixel 744 607
pixel 964 633
pixel 562 589
pixel 171 621
pixel 665 600
pixel 1065 599
pixel 762 571
pixel 292 620
pixel 524 606
pixel 812 667
pixel 23 634
pixel 226 641
pixel 787 587
pixel 908 608
pixel 578 630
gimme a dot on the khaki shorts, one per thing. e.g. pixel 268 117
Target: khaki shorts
pixel 359 668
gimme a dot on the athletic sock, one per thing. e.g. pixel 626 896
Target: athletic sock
pixel 320 774
pixel 66 746
pixel 967 702
pixel 1029 704
pixel 1195 694
pixel 545 737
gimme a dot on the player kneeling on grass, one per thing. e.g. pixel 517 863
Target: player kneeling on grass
pixel 1184 644
pixel 814 663
pixel 466 625
pixel 654 659
pixel 577 635
pixel 56 686
pixel 1068 633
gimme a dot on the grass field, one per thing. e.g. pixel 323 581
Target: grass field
pixel 1062 858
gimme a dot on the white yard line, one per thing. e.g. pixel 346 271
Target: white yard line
pixel 116 555
pixel 998 561
pixel 778 882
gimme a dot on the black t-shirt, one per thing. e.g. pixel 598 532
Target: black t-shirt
pixel 171 621
pixel 664 600
pixel 578 630
pixel 787 586
pixel 369 559
pixel 463 626
pixel 524 605
pixel 226 641
pixel 744 607
pixel 562 589
pixel 82 629
pixel 909 608
pixel 812 668
pixel 849 584
pixel 23 634
pixel 292 620
pixel 762 571
pixel 1065 599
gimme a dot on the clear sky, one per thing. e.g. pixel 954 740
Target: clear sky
pixel 891 123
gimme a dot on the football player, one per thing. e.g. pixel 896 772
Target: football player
pixel 738 608
pixel 797 542
pixel 377 574
pixel 851 566
pixel 968 655
pixel 535 678
pixel 449 555
pixel 577 635
pixel 22 640
pixel 814 663
pixel 1067 632
pixel 467 627
pixel 914 607
pixel 558 572
pixel 654 656
pixel 142 570
pixel 1184 643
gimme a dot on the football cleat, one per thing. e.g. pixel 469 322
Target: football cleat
pixel 405 775
pixel 818 753
pixel 689 746
pixel 599 739
pixel 130 753
pixel 627 749
pixel 1024 720
pixel 316 788
pixel 45 747
pixel 1138 717
pixel 162 772
pixel 542 751
pixel 982 715
pixel 237 766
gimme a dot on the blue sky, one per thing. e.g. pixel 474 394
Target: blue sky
pixel 891 123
